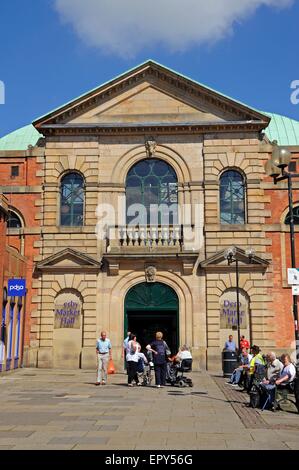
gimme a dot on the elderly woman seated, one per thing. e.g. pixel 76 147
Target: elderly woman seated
pixel 285 377
pixel 175 361
pixel 184 353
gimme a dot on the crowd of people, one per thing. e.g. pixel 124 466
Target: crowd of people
pixel 269 371
pixel 157 356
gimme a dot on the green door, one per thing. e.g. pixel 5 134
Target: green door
pixel 151 307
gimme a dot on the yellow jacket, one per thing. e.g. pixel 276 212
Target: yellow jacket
pixel 253 361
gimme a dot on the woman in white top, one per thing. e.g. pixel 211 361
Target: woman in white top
pixel 183 353
pixel 288 372
pixel 132 358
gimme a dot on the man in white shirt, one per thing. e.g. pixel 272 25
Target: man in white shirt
pixel 274 367
pixel 104 353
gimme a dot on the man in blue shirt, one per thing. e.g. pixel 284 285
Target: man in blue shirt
pixel 104 353
pixel 230 345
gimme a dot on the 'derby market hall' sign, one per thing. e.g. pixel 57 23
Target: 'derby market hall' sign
pixel 229 315
pixel 67 315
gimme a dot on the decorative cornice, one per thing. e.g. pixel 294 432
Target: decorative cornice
pixel 59 130
pixel 187 260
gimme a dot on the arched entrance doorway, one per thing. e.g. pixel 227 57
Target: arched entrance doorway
pixel 151 307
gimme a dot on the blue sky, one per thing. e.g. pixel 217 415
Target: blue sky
pixel 45 63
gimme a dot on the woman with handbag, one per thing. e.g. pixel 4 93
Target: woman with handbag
pixel 160 352
pixel 132 358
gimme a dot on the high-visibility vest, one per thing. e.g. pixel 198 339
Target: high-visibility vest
pixel 252 363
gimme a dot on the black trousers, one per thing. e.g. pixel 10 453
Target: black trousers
pixel 160 373
pixel 132 371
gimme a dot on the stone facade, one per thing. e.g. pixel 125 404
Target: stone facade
pixel 153 112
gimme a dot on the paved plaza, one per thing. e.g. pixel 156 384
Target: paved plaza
pixel 46 409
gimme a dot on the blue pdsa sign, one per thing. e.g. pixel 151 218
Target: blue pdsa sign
pixel 17 287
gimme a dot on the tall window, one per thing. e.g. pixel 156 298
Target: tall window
pixel 14 221
pixel 153 184
pixel 296 217
pixel 72 200
pixel 232 198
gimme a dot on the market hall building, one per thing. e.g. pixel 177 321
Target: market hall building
pixel 71 182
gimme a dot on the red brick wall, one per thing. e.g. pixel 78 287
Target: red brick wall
pixel 27 171
pixel 281 255
pixel 25 204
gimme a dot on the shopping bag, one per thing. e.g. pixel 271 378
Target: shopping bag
pixel 111 368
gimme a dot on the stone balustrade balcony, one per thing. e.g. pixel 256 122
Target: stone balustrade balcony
pixel 129 239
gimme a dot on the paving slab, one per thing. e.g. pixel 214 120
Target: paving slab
pixel 48 409
pixel 15 434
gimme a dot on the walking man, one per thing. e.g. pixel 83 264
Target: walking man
pixel 104 353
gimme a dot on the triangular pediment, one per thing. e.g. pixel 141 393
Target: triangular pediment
pixel 146 103
pixel 219 261
pixel 69 260
pixel 151 94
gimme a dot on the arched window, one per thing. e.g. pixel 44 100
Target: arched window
pixel 72 200
pixel 296 217
pixel 152 183
pixel 14 220
pixel 232 198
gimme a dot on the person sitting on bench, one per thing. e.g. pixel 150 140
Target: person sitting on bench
pixel 274 367
pixel 241 369
pixel 286 376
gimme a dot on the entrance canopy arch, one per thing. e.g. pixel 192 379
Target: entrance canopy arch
pixel 151 307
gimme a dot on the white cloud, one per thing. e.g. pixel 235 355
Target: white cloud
pixel 124 27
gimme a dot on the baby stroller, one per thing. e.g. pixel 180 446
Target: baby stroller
pixel 175 373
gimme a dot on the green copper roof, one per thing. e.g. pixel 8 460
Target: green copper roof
pixel 20 139
pixel 283 129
